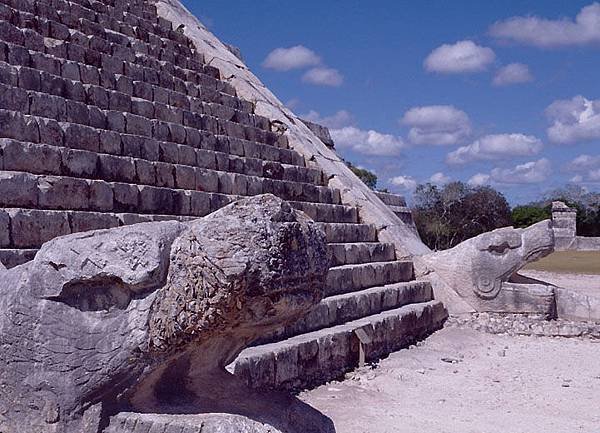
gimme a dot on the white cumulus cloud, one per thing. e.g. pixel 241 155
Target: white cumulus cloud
pixel 587 168
pixel 439 178
pixel 479 179
pixel 574 120
pixel 530 172
pixel 286 59
pixel 323 76
pixel 440 125
pixel 463 56
pixel 514 73
pixel 496 147
pixel 404 183
pixel 545 33
pixel 369 142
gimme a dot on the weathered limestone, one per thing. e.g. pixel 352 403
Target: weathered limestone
pixel 564 221
pixel 145 316
pixel 475 275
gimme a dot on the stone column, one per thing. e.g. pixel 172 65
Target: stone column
pixel 564 223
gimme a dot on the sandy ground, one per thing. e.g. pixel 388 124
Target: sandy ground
pixel 463 381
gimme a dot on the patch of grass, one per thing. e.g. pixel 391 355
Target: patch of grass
pixel 569 262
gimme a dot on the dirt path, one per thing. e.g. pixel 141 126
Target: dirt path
pixel 463 381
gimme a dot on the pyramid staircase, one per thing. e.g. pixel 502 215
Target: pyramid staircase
pixel 109 117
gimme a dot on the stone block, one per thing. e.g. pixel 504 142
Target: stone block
pixel 18 189
pixel 116 168
pixel 81 137
pixel 14 98
pixel 32 228
pixel 132 145
pixel 48 106
pixel 30 79
pixel 145 172
pixel 50 132
pixel 101 196
pixel 156 200
pixel 142 108
pixel 206 159
pixel 4 229
pixel 119 102
pixel 97 96
pixel 185 177
pixel 30 157
pixel 77 112
pixel 165 175
pixel 169 152
pixel 112 64
pixel 89 75
pixel 150 150
pixel 138 125
pixel 182 202
pixel 124 85
pixel 79 163
pixel 160 95
pixel 110 142
pixel 63 193
pixel 45 63
pixel 87 221
pixel 192 137
pixel 177 133
pixel 8 75
pixel 97 117
pixel 240 184
pixel 207 180
pixel 115 121
pixel 142 90
pixel 200 203
pixel 187 155
pixel 125 197
pixel 70 70
pixel 18 55
pixel 160 130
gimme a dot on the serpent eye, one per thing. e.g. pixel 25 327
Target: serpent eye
pixel 499 249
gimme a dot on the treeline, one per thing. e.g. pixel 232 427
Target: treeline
pixel 587 205
pixel 448 215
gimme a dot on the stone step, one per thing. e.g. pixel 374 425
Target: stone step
pixel 320 356
pixel 27 229
pixel 50 192
pixel 361 252
pixel 339 309
pixel 202 170
pixel 330 213
pixel 349 233
pixel 127 81
pixel 351 278
pixel 11 258
pixel 100 37
pixel 31 91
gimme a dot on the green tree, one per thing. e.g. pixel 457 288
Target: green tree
pixel 524 216
pixel 449 215
pixel 368 177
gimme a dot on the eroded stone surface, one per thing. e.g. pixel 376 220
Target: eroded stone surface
pixel 479 270
pixel 136 316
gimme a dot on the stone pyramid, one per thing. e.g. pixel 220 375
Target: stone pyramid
pixel 117 112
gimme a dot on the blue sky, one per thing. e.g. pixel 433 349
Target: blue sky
pixel 501 93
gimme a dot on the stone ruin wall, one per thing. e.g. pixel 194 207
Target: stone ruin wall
pixel 564 222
